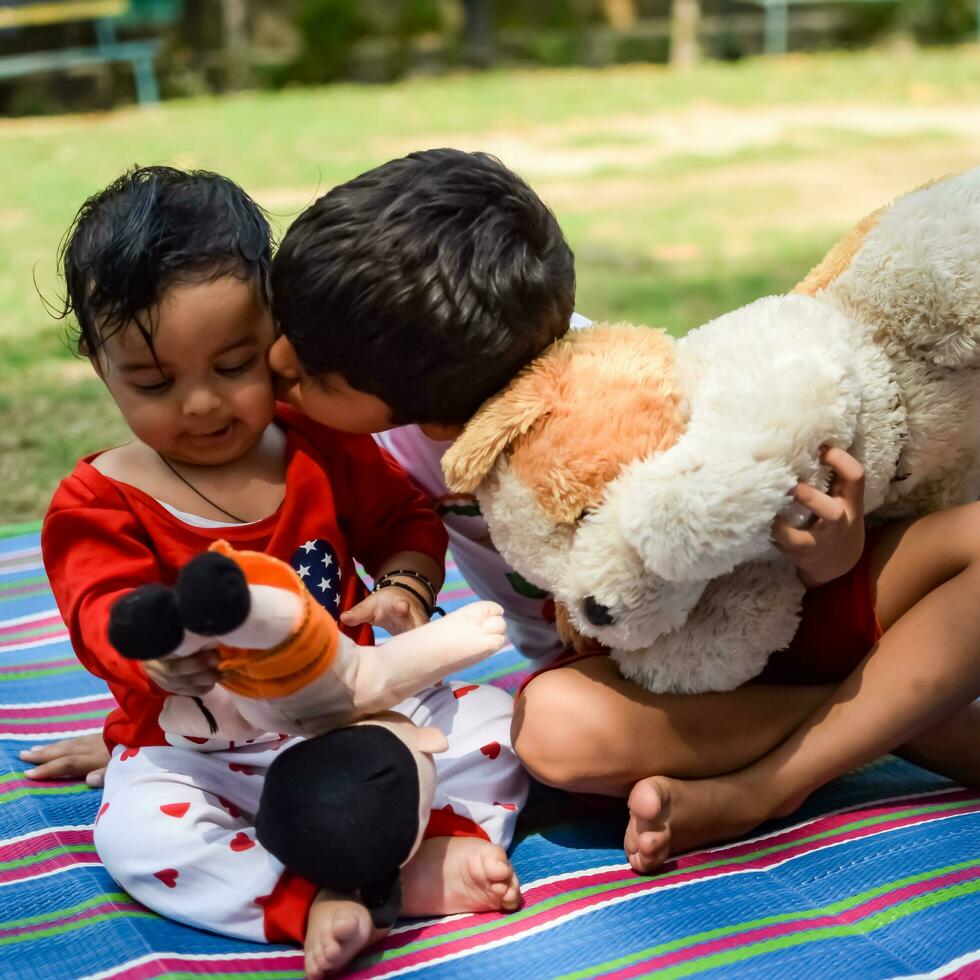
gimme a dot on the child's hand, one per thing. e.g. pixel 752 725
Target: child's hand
pixel 192 676
pixel 831 546
pixel 391 609
pixel 83 757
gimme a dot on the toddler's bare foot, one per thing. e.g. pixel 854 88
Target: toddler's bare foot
pixel 466 635
pixel 669 816
pixel 459 874
pixel 337 929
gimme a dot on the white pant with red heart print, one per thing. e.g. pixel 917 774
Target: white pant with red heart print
pixel 176 828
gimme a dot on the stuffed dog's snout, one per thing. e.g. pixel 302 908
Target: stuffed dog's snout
pixel 596 613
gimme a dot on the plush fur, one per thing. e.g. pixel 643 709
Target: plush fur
pixel 639 476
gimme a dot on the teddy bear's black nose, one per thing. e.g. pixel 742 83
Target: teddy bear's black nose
pixel 596 613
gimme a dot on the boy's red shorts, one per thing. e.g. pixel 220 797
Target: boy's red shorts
pixel 838 627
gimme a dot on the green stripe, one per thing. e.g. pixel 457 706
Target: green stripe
pixel 44 855
pixel 494 674
pixel 24 595
pixel 28 631
pixel 20 675
pixel 18 583
pixel 80 924
pixel 627 884
pixel 835 908
pixel 70 910
pixel 873 923
pixel 46 719
pixel 249 974
pixel 13 530
pixel 16 794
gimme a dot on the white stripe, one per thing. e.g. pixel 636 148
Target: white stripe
pixel 74 866
pixel 21 553
pixel 195 958
pixel 49 641
pixel 23 567
pixel 40 833
pixel 946 969
pixel 85 699
pixel 620 899
pixel 50 736
pixel 20 620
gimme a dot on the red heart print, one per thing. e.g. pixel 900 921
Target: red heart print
pixel 241 842
pixel 491 750
pixel 102 809
pixel 168 876
pixel 233 810
pixel 247 770
pixel 448 808
pixel 262 900
pixel 197 740
pixel 461 692
pixel 175 809
pixel 506 806
pixel 128 754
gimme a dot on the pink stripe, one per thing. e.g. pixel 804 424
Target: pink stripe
pixel 13 784
pixel 849 916
pixel 208 965
pixel 968 971
pixel 42 842
pixel 36 638
pixel 16 713
pixel 24 589
pixel 631 882
pixel 30 624
pixel 43 867
pixel 38 665
pixel 451 595
pixel 81 917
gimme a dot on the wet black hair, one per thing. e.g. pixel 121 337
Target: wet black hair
pixel 150 228
pixel 428 282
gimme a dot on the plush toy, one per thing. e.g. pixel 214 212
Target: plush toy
pixel 287 668
pixel 637 477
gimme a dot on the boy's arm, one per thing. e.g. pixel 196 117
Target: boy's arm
pixel 391 527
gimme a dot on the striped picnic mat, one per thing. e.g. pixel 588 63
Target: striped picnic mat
pixel 878 876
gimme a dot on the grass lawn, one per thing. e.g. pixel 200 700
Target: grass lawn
pixel 683 195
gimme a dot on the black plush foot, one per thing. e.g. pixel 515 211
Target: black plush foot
pixel 213 595
pixel 145 624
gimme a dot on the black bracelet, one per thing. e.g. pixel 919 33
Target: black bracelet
pixel 386 583
pixel 419 577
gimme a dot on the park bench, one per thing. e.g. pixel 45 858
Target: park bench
pixel 104 15
pixel 777 13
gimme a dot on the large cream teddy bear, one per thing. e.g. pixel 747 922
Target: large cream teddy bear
pixel 637 477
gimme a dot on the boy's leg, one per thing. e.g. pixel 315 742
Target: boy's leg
pixel 924 672
pixel 586 728
pixel 462 864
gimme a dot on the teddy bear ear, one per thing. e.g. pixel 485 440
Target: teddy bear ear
pixel 500 421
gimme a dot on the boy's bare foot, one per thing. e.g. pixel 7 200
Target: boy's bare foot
pixel 337 929
pixel 459 874
pixel 82 757
pixel 669 816
pixel 469 634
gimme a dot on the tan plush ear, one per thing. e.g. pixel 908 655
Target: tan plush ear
pixel 500 421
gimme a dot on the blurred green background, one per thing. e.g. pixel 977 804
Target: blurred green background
pixel 683 193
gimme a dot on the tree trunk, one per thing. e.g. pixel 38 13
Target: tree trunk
pixel 620 14
pixel 685 18
pixel 234 15
pixel 478 32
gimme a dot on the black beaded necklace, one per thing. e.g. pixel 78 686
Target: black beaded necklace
pixel 186 482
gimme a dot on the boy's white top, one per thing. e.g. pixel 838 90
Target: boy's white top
pixel 530 616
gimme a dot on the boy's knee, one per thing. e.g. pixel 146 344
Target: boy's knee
pixel 549 729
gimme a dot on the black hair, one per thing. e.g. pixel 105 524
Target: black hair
pixel 150 228
pixel 428 282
